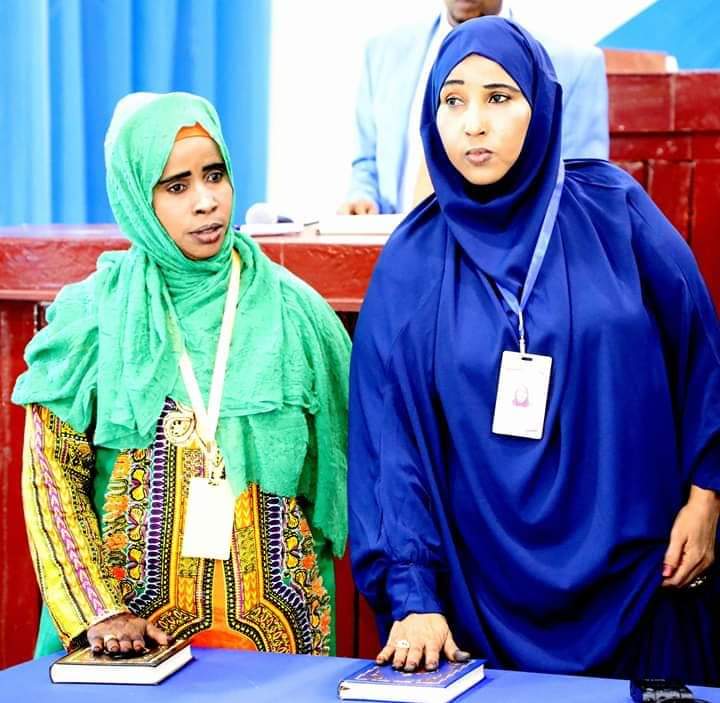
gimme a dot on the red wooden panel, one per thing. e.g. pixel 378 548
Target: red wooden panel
pixel 705 239
pixel 338 267
pixel 634 61
pixel 697 104
pixel 273 250
pixel 335 271
pixel 669 185
pixel 368 640
pixel 51 261
pixel 346 615
pixel 637 169
pixel 706 145
pixel 640 103
pixel 641 147
pixel 19 596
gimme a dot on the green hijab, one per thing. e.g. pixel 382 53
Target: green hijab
pixel 108 357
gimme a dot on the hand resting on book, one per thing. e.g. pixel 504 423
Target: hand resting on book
pixel 125 634
pixel 427 635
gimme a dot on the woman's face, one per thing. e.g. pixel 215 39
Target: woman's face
pixel 193 198
pixel 482 119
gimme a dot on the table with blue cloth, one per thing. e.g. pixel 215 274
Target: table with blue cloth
pixel 232 676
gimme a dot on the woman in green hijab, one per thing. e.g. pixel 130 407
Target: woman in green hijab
pixel 184 463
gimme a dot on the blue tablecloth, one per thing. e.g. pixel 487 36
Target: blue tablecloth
pixel 230 676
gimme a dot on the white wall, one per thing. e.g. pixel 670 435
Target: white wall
pixel 317 48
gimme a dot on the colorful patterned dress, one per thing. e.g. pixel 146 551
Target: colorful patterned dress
pixel 103 544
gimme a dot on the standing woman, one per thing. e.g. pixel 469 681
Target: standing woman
pixel 535 399
pixel 184 470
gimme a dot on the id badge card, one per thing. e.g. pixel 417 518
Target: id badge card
pixel 522 395
pixel 208 519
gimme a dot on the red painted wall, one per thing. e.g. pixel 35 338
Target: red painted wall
pixel 665 130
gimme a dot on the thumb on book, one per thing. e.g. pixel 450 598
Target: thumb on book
pixel 453 652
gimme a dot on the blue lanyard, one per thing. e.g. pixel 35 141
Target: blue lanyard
pixel 537 258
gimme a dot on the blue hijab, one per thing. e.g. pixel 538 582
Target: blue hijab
pixel 497 225
pixel 544 555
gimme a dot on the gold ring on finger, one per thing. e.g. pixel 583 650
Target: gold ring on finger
pixel 402 644
pixel 107 638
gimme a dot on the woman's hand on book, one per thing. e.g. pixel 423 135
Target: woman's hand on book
pixel 420 638
pixel 125 634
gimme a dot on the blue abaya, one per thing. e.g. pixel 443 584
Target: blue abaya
pixel 544 555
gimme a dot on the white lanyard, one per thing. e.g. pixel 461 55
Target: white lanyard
pixel 207 420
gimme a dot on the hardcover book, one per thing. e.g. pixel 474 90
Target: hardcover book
pixel 82 666
pixel 383 683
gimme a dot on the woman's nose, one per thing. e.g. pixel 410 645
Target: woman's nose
pixel 205 201
pixel 475 121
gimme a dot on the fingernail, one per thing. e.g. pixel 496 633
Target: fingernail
pixel 461 655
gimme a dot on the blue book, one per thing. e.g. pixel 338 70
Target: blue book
pixel 383 683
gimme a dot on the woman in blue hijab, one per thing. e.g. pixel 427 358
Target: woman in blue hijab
pixel 535 399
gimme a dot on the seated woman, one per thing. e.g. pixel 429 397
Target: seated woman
pixel 534 399
pixel 184 469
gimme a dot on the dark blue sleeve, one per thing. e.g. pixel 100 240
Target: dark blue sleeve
pixel 683 309
pixel 395 548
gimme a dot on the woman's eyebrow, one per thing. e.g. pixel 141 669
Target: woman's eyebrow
pixel 487 86
pixel 492 86
pixel 218 165
pixel 177 176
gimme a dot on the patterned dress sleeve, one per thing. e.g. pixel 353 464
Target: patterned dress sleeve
pixel 63 531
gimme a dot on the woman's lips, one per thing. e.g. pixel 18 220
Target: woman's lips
pixel 478 157
pixel 207 235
